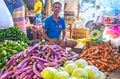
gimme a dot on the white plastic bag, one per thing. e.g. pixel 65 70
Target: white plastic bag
pixel 6 20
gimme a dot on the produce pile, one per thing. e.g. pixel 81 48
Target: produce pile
pixel 113 32
pixel 15 33
pixel 9 48
pixel 102 56
pixel 78 69
pixel 29 63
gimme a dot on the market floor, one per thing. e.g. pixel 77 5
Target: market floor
pixel 114 74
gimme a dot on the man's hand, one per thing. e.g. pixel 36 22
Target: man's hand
pixel 63 43
pixel 51 42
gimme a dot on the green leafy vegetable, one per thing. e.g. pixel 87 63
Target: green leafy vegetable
pixel 48 73
pixel 81 63
pixel 80 74
pixel 103 76
pixel 62 75
pixel 93 72
pixel 71 67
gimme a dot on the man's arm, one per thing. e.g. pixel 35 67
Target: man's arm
pixel 64 36
pixel 64 40
pixel 46 37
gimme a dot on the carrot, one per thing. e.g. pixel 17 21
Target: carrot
pixel 83 54
pixel 90 63
pixel 101 62
pixel 115 66
pixel 108 69
pixel 89 58
pixel 104 60
pixel 111 66
pixel 105 54
pixel 91 54
pixel 111 61
pixel 101 67
pixel 95 57
pixel 103 70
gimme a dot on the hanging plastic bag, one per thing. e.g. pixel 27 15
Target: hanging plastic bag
pixel 6 20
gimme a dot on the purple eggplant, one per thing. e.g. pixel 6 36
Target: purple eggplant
pixel 24 65
pixel 22 70
pixel 22 62
pixel 32 48
pixel 2 72
pixel 22 75
pixel 39 67
pixel 6 74
pixel 40 59
pixel 51 64
pixel 35 70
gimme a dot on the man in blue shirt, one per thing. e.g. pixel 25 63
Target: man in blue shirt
pixel 54 26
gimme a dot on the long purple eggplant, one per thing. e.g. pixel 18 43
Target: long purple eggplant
pixel 24 65
pixel 51 64
pixel 19 71
pixel 22 75
pixel 21 63
pixel 4 76
pixel 40 59
pixel 39 67
pixel 35 70
pixel 32 48
pixel 2 72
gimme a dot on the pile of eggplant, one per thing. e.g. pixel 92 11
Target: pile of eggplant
pixel 29 63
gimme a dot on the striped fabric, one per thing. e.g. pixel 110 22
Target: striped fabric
pixel 19 18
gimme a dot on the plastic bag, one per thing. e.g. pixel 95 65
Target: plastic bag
pixel 6 20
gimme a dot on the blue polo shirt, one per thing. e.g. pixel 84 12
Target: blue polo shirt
pixel 54 29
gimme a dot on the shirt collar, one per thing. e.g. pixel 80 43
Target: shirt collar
pixel 53 19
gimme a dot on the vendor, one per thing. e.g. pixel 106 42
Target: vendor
pixel 19 15
pixel 17 10
pixel 38 11
pixel 54 26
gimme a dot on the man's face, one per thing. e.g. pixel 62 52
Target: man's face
pixel 57 9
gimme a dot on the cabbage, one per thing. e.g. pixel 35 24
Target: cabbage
pixel 93 72
pixel 70 67
pixel 48 73
pixel 72 78
pixel 81 63
pixel 103 76
pixel 62 75
pixel 61 69
pixel 80 74
pixel 67 62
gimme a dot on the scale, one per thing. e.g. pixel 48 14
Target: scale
pixel 96 34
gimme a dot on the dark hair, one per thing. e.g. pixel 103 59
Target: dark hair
pixel 57 3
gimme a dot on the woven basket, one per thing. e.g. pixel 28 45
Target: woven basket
pixel 79 33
